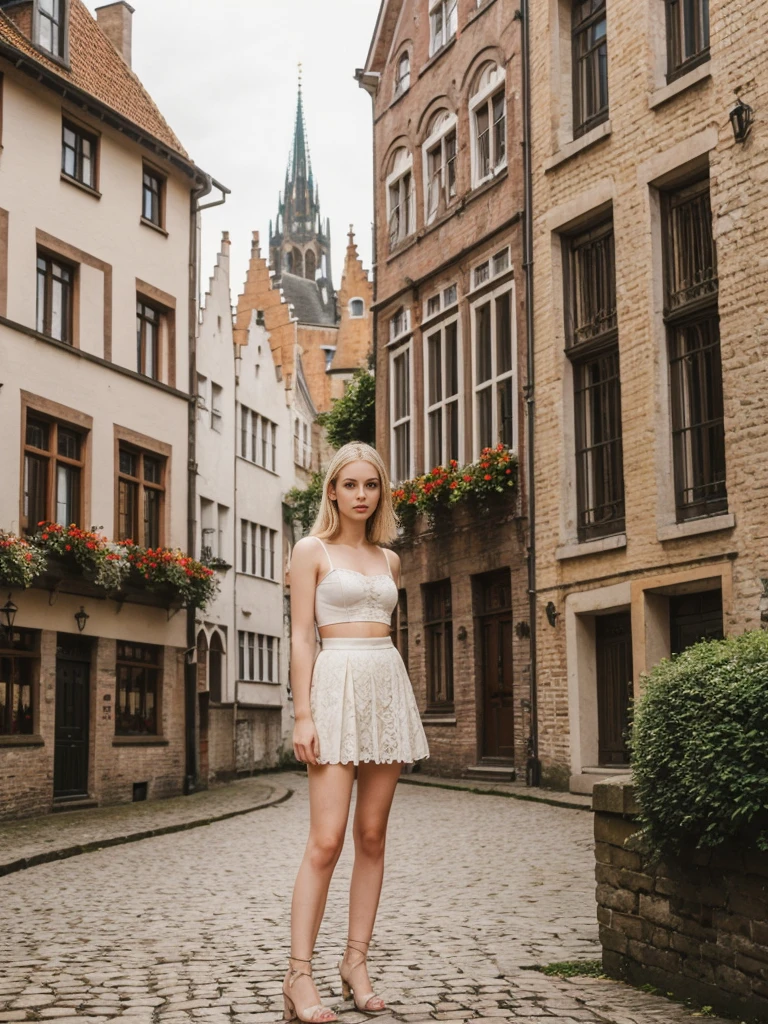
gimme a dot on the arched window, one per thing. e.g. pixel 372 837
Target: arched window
pixel 488 119
pixel 401 204
pixel 298 263
pixel 356 308
pixel 215 668
pixel 403 74
pixel 439 156
pixel 310 265
pixel 288 262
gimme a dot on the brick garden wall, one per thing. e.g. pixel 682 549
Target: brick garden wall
pixel 696 925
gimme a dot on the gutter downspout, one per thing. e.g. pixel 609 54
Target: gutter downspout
pixel 533 768
pixel 370 83
pixel 191 780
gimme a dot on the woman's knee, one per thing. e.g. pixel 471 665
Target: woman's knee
pixel 370 840
pixel 324 849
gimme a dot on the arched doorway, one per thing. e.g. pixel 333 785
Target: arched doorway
pixel 215 669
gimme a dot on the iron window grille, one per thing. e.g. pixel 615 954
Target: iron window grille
pixel 693 339
pixel 592 346
pixel 54 459
pixel 590 65
pixel 138 688
pixel 78 154
pixel 687 36
pixel 55 298
pixel 438 632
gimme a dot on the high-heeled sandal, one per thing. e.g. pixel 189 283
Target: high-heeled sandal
pixel 348 992
pixel 317 1014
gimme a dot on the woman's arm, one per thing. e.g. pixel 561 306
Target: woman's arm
pixel 304 561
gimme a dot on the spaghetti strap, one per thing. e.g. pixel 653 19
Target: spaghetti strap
pixel 386 559
pixel 327 553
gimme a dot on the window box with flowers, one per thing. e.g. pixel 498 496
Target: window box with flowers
pixel 20 562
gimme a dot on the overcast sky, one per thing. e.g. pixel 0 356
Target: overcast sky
pixel 224 74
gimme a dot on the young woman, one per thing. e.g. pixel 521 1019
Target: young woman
pixel 355 714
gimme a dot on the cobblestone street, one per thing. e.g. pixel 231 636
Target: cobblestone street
pixel 194 926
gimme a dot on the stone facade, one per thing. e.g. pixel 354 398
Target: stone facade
pixel 448 201
pixel 661 131
pixel 693 925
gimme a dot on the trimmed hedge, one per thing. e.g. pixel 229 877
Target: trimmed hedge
pixel 700 746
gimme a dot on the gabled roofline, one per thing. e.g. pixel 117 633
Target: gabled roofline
pixel 377 41
pixel 106 114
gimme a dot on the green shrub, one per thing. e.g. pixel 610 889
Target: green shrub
pixel 353 416
pixel 700 746
pixel 304 503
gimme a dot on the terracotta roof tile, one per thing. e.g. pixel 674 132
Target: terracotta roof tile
pixel 97 68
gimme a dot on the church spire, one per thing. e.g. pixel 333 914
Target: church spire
pixel 300 163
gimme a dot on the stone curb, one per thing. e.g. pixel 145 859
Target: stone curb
pixel 482 791
pixel 278 795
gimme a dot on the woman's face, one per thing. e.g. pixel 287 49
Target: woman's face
pixel 357 490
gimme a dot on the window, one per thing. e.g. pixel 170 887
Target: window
pixel 148 320
pixel 488 116
pixel 258 550
pixel 443 19
pixel 258 439
pixel 78 154
pixel 54 462
pixel 590 65
pixel 442 359
pixel 401 200
pixel 258 657
pixel 399 324
pixel 216 416
pixel 403 74
pixel 153 197
pixel 356 308
pixel 440 164
pixel 55 293
pixel 138 689
pixel 490 269
pixel 18 667
pixel 494 362
pixel 400 376
pixel 687 35
pixel 302 447
pixel 140 496
pixel 438 633
pixel 52 26
pixel 693 339
pixel 202 394
pixel 593 347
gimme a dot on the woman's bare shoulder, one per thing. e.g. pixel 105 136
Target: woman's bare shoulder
pixel 392 557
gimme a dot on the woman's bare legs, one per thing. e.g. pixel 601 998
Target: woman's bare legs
pixel 376 785
pixel 330 791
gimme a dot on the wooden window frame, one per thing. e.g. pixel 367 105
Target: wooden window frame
pixel 586 120
pixel 438 631
pixel 592 345
pixel 81 134
pixel 146 670
pixel 60 54
pixel 164 306
pixel 141 445
pixel 446 13
pixel 55 415
pixel 676 16
pixel 402 423
pixel 44 317
pixel 439 163
pixel 152 172
pixel 497 379
pixel 439 407
pixel 402 78
pixel 143 322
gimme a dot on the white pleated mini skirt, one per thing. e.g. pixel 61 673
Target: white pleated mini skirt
pixel 363 705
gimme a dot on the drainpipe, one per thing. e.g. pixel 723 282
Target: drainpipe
pixel 533 768
pixel 190 661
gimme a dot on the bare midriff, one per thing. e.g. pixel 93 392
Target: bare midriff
pixel 347 630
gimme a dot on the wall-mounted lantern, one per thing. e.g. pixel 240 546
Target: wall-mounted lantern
pixel 741 117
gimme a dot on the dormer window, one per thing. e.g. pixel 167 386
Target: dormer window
pixel 51 27
pixel 443 21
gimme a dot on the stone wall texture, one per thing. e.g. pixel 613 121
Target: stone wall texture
pixel 696 925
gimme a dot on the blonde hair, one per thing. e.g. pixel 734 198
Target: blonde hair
pixel 381 528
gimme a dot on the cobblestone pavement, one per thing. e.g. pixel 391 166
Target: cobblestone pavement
pixel 193 927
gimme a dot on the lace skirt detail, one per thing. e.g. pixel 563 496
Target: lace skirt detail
pixel 363 705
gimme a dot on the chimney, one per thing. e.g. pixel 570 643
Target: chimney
pixel 116 22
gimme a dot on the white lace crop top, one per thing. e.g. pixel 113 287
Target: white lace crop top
pixel 345 595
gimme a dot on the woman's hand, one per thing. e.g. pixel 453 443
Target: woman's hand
pixel 306 745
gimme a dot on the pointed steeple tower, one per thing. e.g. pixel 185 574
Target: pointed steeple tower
pixel 299 242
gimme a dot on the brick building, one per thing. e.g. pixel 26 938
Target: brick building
pixel 650 237
pixel 99 206
pixel 445 80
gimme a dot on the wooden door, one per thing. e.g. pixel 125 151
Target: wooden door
pixel 613 648
pixel 73 676
pixel 495 638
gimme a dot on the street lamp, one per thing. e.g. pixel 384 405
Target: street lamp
pixel 81 618
pixel 8 612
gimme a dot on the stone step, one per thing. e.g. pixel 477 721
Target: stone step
pixel 491 772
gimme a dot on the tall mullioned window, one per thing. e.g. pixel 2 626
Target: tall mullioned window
pixel 693 339
pixel 55 298
pixel 590 65
pixel 438 634
pixel 54 461
pixel 140 496
pixel 51 31
pixel 488 107
pixel 401 398
pixel 401 198
pixel 78 154
pixel 494 368
pixel 687 35
pixel 443 22
pixel 138 689
pixel 593 347
pixel 443 372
